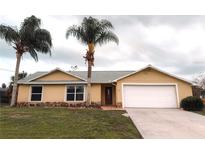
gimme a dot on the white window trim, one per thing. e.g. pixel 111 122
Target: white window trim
pixel 65 98
pixel 30 92
pixel 152 84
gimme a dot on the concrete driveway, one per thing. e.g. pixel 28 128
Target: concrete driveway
pixel 168 123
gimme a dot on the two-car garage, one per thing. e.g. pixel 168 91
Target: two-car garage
pixel 152 88
pixel 150 95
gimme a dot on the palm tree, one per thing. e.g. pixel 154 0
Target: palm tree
pixel 92 32
pixel 30 38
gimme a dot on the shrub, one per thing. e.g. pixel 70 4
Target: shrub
pixel 192 103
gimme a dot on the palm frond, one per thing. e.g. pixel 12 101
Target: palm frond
pixel 42 35
pixel 94 31
pixel 8 34
pixel 31 22
pixel 91 28
pixel 105 24
pixel 106 37
pixel 28 26
pixel 35 39
pixel 78 32
pixel 33 54
pixel 41 42
pixel 43 47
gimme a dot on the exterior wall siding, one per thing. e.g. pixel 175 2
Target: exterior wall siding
pixel 152 76
pixel 55 93
pixel 23 93
pixel 96 93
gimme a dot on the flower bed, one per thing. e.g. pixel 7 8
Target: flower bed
pixel 58 104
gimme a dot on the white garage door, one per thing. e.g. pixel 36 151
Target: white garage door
pixel 150 96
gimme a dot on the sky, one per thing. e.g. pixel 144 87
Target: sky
pixel 175 44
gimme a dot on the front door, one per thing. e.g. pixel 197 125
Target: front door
pixel 108 95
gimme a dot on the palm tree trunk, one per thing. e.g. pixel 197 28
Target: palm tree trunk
pixel 14 91
pixel 89 83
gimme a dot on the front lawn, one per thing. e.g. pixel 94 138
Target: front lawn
pixel 201 112
pixel 64 123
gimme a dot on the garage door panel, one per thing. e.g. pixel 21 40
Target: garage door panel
pixel 150 96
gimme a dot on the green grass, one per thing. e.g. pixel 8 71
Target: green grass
pixel 201 112
pixel 65 123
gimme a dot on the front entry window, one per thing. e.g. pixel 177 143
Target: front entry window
pixel 75 93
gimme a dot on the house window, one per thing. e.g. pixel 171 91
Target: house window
pixel 36 93
pixel 75 93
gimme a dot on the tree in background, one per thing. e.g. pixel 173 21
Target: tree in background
pixel 3 85
pixel 200 80
pixel 199 87
pixel 20 76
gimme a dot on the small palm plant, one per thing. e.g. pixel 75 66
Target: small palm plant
pixel 92 32
pixel 30 38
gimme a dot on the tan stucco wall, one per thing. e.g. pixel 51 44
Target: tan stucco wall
pixel 57 75
pixel 96 93
pixel 55 93
pixel 23 93
pixel 153 76
pixel 51 93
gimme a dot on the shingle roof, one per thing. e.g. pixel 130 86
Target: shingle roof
pixel 32 76
pixel 102 76
pixel 97 76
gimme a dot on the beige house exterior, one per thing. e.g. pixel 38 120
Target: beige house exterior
pixel 118 88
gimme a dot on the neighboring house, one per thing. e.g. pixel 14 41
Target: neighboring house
pixel 3 95
pixel 147 87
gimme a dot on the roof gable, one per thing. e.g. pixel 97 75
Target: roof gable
pixel 56 74
pixel 155 69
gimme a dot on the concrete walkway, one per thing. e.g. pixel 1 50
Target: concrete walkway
pixel 168 123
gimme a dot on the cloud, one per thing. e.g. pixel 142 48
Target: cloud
pixel 178 21
pixel 173 43
pixel 6 50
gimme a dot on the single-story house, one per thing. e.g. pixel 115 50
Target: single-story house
pixel 147 87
